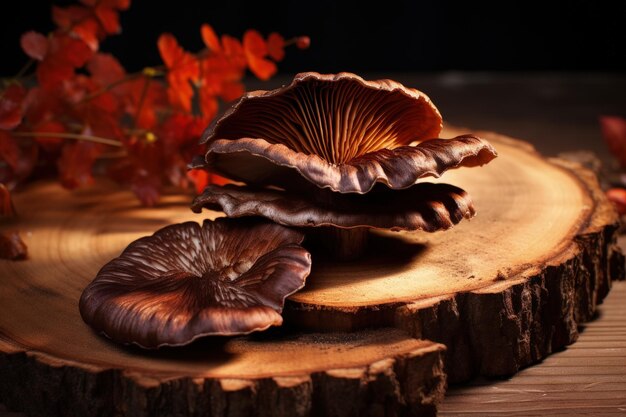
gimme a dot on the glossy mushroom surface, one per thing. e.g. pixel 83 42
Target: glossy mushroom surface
pixel 338 132
pixel 425 206
pixel 223 277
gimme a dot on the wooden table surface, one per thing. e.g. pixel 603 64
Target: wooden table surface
pixel 556 113
pixel 586 379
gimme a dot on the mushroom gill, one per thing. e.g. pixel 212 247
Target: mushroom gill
pixel 336 117
pixel 338 132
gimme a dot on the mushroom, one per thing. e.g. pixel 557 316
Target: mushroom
pixel 326 135
pixel 343 219
pixel 339 132
pixel 185 281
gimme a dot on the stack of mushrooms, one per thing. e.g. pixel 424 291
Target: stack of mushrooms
pixel 339 154
pixel 328 157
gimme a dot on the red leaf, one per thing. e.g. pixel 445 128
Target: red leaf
pixel 109 19
pixel 262 68
pixel 210 39
pixel 614 133
pixel 91 22
pixel 40 105
pixel 200 179
pixel 183 68
pixel 6 202
pixel 221 77
pixel 12 106
pixel 49 143
pixel 66 49
pixel 617 196
pixel 99 114
pixel 170 50
pixel 255 50
pixel 66 17
pixel 150 99
pixel 105 69
pixel 51 74
pixel 208 104
pixel 76 163
pixel 254 43
pixel 9 150
pixel 232 90
pixel 80 22
pixel 233 51
pixel 181 130
pixel 276 46
pixel 64 54
pixel 88 31
pixel 35 45
pixel 12 247
pixel 218 179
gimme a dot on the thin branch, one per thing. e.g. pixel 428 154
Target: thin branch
pixel 109 87
pixel 150 72
pixel 75 136
pixel 25 68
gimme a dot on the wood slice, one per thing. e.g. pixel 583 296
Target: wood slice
pixel 501 291
pixel 47 353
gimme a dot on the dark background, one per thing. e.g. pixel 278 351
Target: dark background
pixel 398 36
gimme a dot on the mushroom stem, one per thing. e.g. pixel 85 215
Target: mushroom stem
pixel 343 244
pixel 348 243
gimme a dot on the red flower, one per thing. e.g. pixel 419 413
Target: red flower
pixel 83 98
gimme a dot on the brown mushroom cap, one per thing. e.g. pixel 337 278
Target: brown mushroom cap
pixel 339 132
pixel 331 129
pixel 256 161
pixel 335 116
pixel 425 206
pixel 185 281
